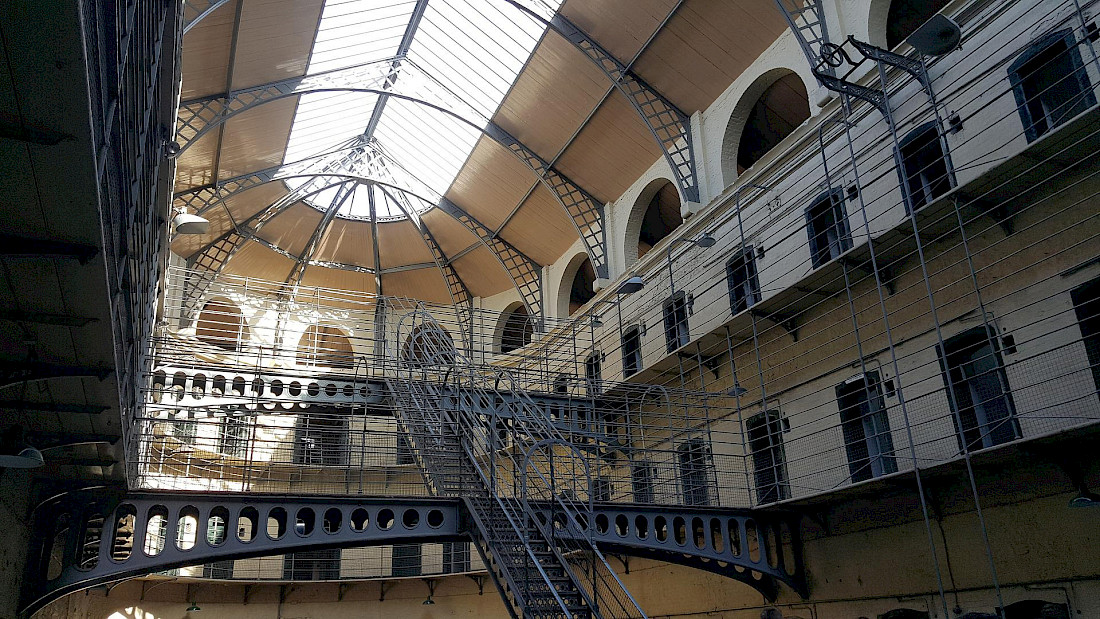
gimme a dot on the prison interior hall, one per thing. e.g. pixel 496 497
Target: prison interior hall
pixel 528 309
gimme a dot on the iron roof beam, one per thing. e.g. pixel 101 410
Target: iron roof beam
pixel 200 116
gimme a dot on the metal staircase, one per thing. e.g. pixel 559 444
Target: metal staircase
pixel 503 467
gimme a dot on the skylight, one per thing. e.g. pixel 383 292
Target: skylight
pixel 472 48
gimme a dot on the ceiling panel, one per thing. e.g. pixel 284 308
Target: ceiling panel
pixel 694 58
pixel 452 236
pixel 482 273
pixel 541 228
pixel 256 139
pixel 612 152
pixel 255 260
pixel 558 89
pixel 206 50
pixel 491 184
pixel 424 284
pixel 348 241
pixel 620 26
pixel 292 228
pixel 275 40
pixel 400 243
pixel 195 166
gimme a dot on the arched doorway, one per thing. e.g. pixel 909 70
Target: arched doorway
pixel 327 347
pixel 428 345
pixel 221 323
pixel 656 214
pixel 577 286
pixel 517 328
pixel 770 110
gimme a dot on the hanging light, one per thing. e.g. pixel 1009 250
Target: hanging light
pixel 193 608
pixel 186 223
pixel 431 591
pixel 631 285
pixel 737 390
pixel 1085 499
pixel 705 241
pixel 27 458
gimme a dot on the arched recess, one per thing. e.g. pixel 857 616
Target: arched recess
pixel 515 328
pixel 655 215
pixel 221 323
pixel 577 285
pixel 889 22
pixel 770 109
pixel 327 347
pixel 428 345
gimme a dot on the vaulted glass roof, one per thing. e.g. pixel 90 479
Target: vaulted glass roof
pixel 470 51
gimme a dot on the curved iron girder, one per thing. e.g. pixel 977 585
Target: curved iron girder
pixel 119 549
pixel 195 10
pixel 526 274
pixel 586 212
pixel 672 534
pixel 298 271
pixel 209 261
pixel 669 125
pixel 461 298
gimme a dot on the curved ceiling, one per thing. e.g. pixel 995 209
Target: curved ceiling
pixel 407 91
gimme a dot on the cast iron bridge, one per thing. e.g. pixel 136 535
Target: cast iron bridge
pixel 86 539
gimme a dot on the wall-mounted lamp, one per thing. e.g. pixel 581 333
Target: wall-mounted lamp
pixel 737 390
pixel 17 453
pixel 633 284
pixel 186 223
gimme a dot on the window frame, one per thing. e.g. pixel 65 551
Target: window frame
pixel 772 420
pixel 675 312
pixel 632 359
pixel 868 456
pixel 748 290
pixel 835 200
pixel 954 379
pixel 929 191
pixel 1017 82
pixel 695 462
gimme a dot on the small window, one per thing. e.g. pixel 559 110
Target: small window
pixel 641 480
pixel 982 403
pixel 827 227
pixel 675 312
pixel 1050 84
pixel 744 285
pixel 765 432
pixel 865 427
pixel 233 436
pixel 632 351
pixel 1086 304
pixel 312 565
pixel 601 489
pixel 456 557
pixel 404 450
pixel 696 472
pixel 321 441
pixel 407 560
pixel 184 429
pixel 925 169
pixel 592 373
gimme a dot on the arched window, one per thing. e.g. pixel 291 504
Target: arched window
pixel 518 329
pixel 581 289
pixel 661 214
pixel 906 16
pixel 781 108
pixel 221 323
pixel 429 345
pixel 327 347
